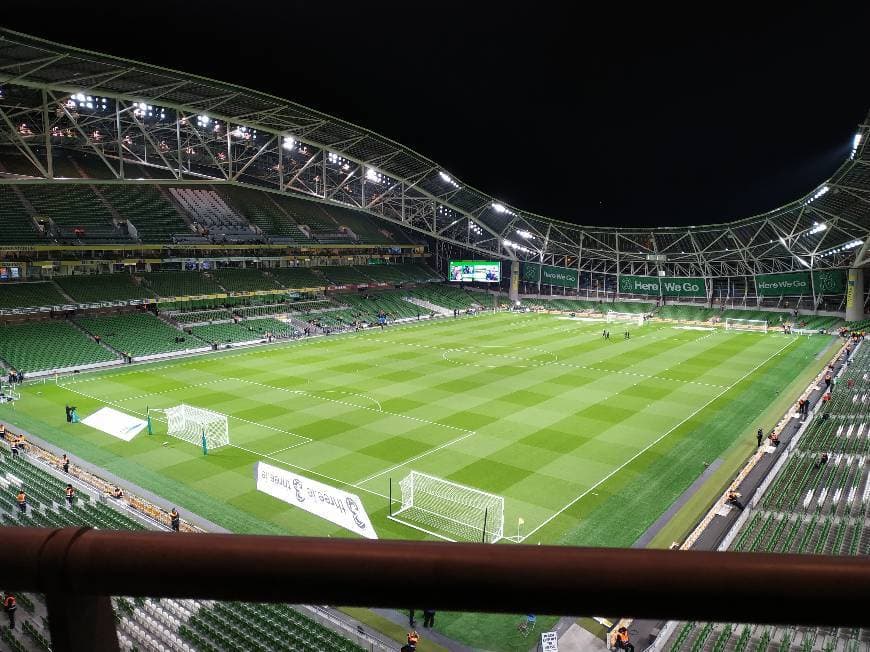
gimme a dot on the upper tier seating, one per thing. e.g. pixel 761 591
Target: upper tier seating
pixel 294 278
pixel 180 284
pixel 136 334
pixel 30 295
pixel 93 288
pixel 242 280
pixel 75 207
pixel 155 218
pixel 212 214
pixel 343 275
pixel 16 227
pixel 38 346
pixel 262 209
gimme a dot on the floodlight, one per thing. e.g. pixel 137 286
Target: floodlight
pixel 289 142
pixel 525 234
pixel 499 208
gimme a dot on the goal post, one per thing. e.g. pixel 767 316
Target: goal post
pixel 194 424
pixel 759 325
pixel 450 510
pixel 636 317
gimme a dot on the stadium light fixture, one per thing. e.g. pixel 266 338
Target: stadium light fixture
pixel 821 191
pixel 817 228
pixel 289 143
pixel 202 120
pixel 501 209
pixel 528 235
pixel 855 142
pixel 446 178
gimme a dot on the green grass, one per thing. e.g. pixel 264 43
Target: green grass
pixel 589 441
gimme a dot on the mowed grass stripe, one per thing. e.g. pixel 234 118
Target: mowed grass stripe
pixel 544 433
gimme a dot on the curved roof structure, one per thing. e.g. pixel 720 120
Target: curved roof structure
pixel 197 129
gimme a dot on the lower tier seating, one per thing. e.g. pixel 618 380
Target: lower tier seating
pixel 135 334
pixel 38 346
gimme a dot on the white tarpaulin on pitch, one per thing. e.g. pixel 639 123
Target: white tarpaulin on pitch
pixel 320 499
pixel 115 423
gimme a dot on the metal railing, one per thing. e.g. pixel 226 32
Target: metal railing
pixel 78 569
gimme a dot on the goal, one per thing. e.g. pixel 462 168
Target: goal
pixel 192 423
pixel 450 510
pixel 735 324
pixel 636 317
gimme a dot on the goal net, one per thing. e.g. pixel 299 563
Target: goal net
pixel 191 423
pixel 635 317
pixel 735 324
pixel 457 511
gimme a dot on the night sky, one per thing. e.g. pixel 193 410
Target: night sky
pixel 616 116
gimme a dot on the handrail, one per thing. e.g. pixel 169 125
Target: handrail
pixel 72 566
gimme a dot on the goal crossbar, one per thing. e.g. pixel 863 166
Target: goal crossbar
pixel 462 512
pixel 636 317
pixel 192 424
pixel 734 323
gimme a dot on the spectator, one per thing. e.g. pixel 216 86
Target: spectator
pixel 9 604
pixel 413 640
pixel 759 436
pixel 623 640
pixel 822 461
pixel 70 495
pixel 64 463
pixel 428 618
pixel 734 499
pixel 21 499
pixel 175 520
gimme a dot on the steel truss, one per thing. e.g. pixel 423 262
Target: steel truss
pixel 129 115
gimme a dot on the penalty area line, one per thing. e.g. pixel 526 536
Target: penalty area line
pixel 417 457
pixel 656 441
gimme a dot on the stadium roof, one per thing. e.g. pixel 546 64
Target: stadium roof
pixel 354 166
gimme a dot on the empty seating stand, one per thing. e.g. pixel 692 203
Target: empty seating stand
pixel 294 278
pixel 147 209
pixel 39 346
pixel 212 214
pixel 30 295
pixel 181 284
pixel 137 334
pixel 243 280
pixel 16 226
pixel 263 210
pixel 77 211
pixel 103 287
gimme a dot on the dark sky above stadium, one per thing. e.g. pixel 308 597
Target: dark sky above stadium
pixel 613 115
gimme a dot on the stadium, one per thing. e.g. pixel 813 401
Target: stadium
pixel 225 312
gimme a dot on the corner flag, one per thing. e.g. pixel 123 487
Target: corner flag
pixel 204 444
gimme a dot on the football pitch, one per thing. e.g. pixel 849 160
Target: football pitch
pixel 588 440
